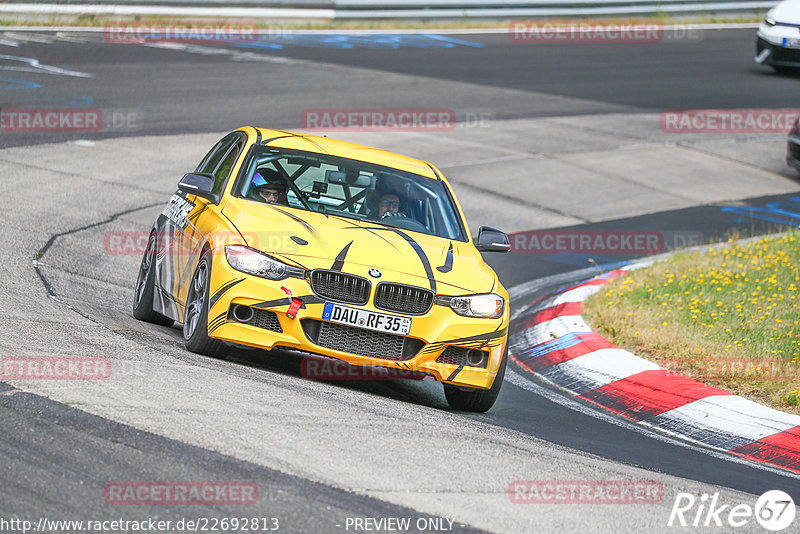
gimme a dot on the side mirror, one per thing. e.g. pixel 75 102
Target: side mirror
pixel 491 240
pixel 200 184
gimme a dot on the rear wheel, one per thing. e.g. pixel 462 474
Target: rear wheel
pixel 145 288
pixel 195 320
pixel 477 400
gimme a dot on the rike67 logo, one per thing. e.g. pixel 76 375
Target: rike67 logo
pixel 774 511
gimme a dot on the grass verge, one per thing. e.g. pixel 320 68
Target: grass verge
pixel 728 317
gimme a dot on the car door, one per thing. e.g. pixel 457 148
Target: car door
pixel 184 220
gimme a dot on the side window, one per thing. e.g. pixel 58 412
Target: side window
pixel 223 169
pixel 221 158
pixel 212 158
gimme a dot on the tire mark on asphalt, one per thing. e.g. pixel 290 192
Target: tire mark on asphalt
pixel 42 251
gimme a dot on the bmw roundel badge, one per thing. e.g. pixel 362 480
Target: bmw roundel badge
pixel 374 273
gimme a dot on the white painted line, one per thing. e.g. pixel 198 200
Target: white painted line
pixel 235 54
pixel 29 64
pixel 728 414
pixel 566 398
pixel 598 368
pixel 579 294
pixel 30 37
pixel 555 328
pixel 719 422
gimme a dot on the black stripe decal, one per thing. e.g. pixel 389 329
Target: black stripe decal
pixel 221 291
pixel 268 141
pixel 218 316
pixel 306 299
pixel 311 299
pixel 479 340
pixel 339 262
pixel 421 253
pixel 370 230
pixel 298 220
pixel 216 325
pixel 211 330
pixel 448 262
pixel 196 215
pixel 480 337
pixel 218 319
pixel 272 303
pixel 418 249
pixel 437 346
pixel 458 370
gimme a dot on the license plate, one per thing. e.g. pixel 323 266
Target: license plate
pixel 791 42
pixel 381 322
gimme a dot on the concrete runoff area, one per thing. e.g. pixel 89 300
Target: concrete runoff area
pixel 359 438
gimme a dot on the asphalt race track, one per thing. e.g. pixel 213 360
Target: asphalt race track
pixel 324 453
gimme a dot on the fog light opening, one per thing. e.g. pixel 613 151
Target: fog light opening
pixel 242 313
pixel 475 357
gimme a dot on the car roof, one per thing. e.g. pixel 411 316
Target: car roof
pixel 345 149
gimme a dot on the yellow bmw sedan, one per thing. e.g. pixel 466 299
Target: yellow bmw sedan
pixel 281 239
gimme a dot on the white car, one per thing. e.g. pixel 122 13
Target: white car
pixel 778 38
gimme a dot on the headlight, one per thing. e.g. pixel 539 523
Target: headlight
pixel 251 261
pixel 490 306
pixel 769 21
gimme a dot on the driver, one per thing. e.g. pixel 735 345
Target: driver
pixel 388 205
pixel 269 187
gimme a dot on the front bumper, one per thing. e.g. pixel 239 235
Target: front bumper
pixel 430 336
pixel 771 49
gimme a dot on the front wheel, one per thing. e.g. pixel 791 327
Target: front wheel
pixel 195 320
pixel 477 400
pixel 145 287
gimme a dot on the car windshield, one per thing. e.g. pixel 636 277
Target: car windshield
pixel 351 189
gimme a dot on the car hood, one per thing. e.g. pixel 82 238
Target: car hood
pixel 787 12
pixel 316 241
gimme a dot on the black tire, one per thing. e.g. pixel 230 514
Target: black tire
pixel 145 288
pixel 195 320
pixel 477 400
